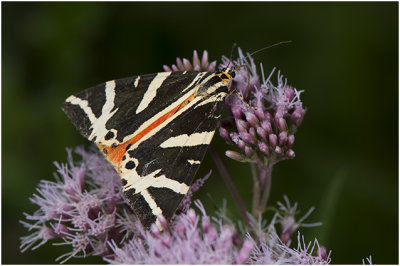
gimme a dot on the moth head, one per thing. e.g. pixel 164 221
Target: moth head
pixel 226 74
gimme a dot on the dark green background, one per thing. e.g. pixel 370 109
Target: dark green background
pixel 344 55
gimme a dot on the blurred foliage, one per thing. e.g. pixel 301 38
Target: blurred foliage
pixel 344 55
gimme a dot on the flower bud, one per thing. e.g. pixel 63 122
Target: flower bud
pixel 241 125
pixel 321 252
pixel 204 58
pixel 187 64
pixel 283 138
pixel 252 132
pixel 192 216
pixel 282 124
pixel 47 233
pixel 241 144
pixel 289 93
pixel 273 139
pixel 297 116
pixel 224 134
pixel 260 114
pixel 290 153
pixel 248 138
pixel 244 252
pixel 235 156
pixel 234 137
pixel 180 228
pixel 266 125
pixel 237 112
pixel 60 229
pixel 211 67
pixel 278 150
pixel 212 234
pixel 290 140
pixel 163 222
pixel 248 151
pixel 175 68
pixel 196 59
pixel 263 147
pixel 179 64
pixel 205 224
pixel 268 116
pixel 196 68
pixel 252 118
pixel 262 133
pixel 167 68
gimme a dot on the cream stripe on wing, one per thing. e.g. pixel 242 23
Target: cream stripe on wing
pixel 153 205
pixel 99 126
pixel 140 183
pixel 195 139
pixel 151 92
pixel 84 105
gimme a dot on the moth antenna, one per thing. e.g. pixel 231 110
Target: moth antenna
pixel 230 57
pixel 267 47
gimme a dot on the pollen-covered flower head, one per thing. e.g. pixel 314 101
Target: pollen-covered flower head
pixel 264 116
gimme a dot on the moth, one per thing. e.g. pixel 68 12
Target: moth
pixel 155 130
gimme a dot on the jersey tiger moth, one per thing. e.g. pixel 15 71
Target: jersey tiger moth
pixel 155 130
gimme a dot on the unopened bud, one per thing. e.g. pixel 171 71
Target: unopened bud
pixel 297 116
pixel 205 224
pixel 278 150
pixel 252 118
pixel 237 112
pixel 290 153
pixel 241 125
pixel 252 132
pixel 248 138
pixel 180 228
pixel 273 139
pixel 260 114
pixel 282 124
pixel 234 137
pixel 167 68
pixel 263 147
pixel 212 234
pixel 266 125
pixel 244 252
pixel 290 140
pixel 235 156
pixel 262 133
pixel 224 134
pixel 196 59
pixel 179 63
pixel 248 151
pixel 322 253
pixel 241 144
pixel 187 64
pixel 289 93
pixel 163 222
pixel 283 138
pixel 192 216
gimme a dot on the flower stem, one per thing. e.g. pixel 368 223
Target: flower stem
pixel 267 178
pixel 228 182
pixel 256 189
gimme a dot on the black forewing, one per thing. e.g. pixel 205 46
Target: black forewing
pixel 174 161
pixel 127 99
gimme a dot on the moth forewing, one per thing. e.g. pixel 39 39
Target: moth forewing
pixel 155 130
